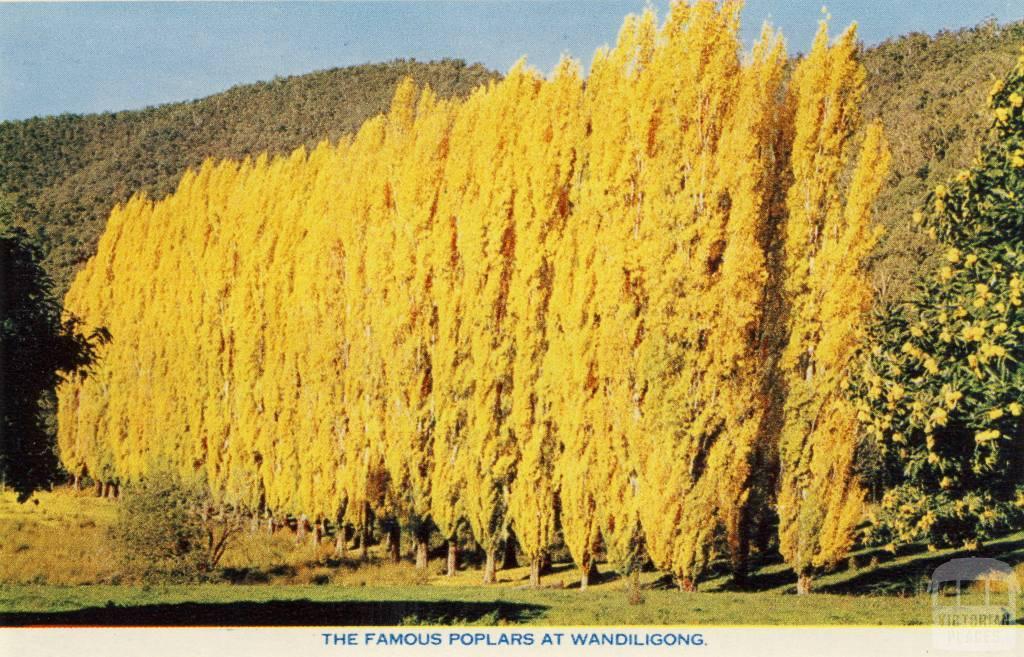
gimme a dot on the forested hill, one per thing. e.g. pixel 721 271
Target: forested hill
pixel 67 172
pixel 932 95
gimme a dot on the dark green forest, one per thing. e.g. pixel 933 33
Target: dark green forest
pixel 65 173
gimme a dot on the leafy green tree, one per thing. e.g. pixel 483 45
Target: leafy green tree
pixel 943 389
pixel 36 346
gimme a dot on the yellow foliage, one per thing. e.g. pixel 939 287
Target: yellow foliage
pixel 827 240
pixel 554 294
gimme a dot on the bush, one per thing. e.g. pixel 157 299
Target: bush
pixel 170 532
pixel 942 387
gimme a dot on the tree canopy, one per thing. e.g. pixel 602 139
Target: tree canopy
pixel 37 349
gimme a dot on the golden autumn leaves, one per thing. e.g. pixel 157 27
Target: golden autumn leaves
pixel 619 307
pixel 826 237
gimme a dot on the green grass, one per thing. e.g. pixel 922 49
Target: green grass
pixel 57 567
pixel 425 604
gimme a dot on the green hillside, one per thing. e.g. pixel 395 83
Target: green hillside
pixel 931 93
pixel 67 172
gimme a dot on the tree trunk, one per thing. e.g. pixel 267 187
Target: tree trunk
pixel 318 533
pixel 535 566
pixel 364 542
pixel 803 583
pixel 453 557
pixel 117 491
pixel 78 483
pixel 270 524
pixel 99 488
pixel 588 573
pixel 741 552
pixel 765 532
pixel 108 490
pixel 300 528
pixel 422 554
pixel 508 558
pixel 687 585
pixel 546 567
pixel 340 542
pixel 395 543
pixel 490 567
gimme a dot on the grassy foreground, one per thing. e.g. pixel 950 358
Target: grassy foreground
pixel 222 604
pixel 57 567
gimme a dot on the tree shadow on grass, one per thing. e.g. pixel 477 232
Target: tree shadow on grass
pixel 561 575
pixel 761 581
pixel 869 571
pixel 910 570
pixel 600 576
pixel 284 613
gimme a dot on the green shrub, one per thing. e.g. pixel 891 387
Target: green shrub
pixel 942 387
pixel 167 531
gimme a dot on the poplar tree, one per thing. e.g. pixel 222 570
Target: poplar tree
pixel 548 156
pixel 619 108
pixel 596 317
pixel 827 239
pixel 419 160
pixel 486 242
pixel 742 359
pixel 686 357
pixel 552 305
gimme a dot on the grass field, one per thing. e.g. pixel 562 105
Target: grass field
pixel 57 568
pixel 220 604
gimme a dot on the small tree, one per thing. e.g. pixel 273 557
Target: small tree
pixel 942 392
pixel 168 531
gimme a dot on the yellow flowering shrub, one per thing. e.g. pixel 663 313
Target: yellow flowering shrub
pixel 957 349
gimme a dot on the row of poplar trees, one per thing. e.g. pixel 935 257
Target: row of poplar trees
pixel 619 307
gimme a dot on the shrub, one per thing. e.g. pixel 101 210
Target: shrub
pixel 168 531
pixel 942 388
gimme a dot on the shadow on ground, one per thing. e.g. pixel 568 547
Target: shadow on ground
pixel 911 574
pixel 870 571
pixel 762 581
pixel 283 613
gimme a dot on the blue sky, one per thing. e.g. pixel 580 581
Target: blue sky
pixel 80 57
